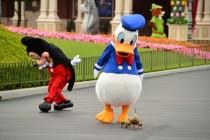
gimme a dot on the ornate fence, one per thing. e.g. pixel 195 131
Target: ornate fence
pixel 23 74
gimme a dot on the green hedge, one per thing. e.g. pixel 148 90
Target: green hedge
pixel 11 49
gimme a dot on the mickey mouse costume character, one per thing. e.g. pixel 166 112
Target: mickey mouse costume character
pixel 60 69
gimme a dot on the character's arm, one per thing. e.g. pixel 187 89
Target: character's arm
pixel 152 24
pixel 46 57
pixel 44 61
pixel 102 60
pixel 75 60
pixel 139 64
pixel 44 65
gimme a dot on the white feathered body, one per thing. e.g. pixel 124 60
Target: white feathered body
pixel 118 89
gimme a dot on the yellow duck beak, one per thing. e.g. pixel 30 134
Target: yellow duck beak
pixel 123 50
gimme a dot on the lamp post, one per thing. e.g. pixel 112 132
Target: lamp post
pixel 189 20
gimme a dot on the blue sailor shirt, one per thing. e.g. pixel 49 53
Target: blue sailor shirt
pixel 108 62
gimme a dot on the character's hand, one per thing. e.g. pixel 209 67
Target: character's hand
pixel 43 61
pixel 152 24
pixel 75 60
pixel 44 65
pixel 141 77
pixel 96 72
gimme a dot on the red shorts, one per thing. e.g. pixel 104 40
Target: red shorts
pixel 59 77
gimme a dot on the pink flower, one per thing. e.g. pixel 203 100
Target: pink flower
pixel 195 52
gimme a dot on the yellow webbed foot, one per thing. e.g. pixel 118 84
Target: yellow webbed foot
pixel 121 118
pixel 105 116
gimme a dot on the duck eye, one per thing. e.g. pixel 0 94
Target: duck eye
pixel 133 40
pixel 120 38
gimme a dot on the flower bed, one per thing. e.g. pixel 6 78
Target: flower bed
pixel 182 47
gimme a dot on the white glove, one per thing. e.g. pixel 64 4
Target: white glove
pixel 50 64
pixel 141 77
pixel 44 65
pixel 75 60
pixel 96 72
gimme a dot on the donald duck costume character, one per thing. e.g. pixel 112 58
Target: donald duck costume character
pixel 120 83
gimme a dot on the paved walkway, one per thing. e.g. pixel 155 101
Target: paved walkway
pixel 172 107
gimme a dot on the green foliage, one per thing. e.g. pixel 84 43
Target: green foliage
pixel 73 48
pixel 176 21
pixel 11 49
pixel 84 49
pixel 21 75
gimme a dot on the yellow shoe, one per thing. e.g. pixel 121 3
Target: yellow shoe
pixel 105 116
pixel 122 118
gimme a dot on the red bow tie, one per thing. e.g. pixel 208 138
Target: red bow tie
pixel 128 59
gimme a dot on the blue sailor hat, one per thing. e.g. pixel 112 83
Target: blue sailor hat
pixel 133 22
